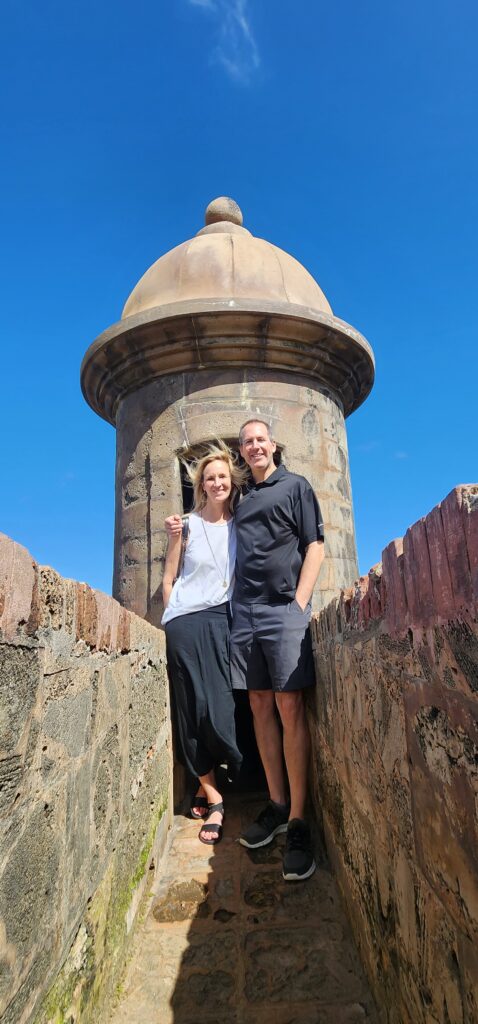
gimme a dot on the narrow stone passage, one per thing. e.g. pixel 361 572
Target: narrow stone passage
pixel 226 939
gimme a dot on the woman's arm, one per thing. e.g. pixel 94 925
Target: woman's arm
pixel 171 565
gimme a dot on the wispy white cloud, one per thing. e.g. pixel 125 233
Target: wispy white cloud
pixel 400 455
pixel 367 446
pixel 236 48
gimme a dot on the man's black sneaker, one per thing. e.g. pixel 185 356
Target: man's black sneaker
pixel 299 862
pixel 271 821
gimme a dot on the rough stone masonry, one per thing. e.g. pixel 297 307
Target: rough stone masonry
pixel 224 327
pixel 85 779
pixel 396 764
pixel 85 770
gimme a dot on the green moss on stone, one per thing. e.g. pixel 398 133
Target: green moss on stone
pixel 57 1005
pixel 98 956
pixel 144 856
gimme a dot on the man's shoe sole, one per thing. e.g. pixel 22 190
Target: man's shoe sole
pixel 263 842
pixel 299 878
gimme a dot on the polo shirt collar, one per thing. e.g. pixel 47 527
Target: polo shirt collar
pixel 278 474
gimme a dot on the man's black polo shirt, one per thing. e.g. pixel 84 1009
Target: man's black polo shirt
pixel 275 521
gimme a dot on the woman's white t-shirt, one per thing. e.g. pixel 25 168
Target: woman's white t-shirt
pixel 207 577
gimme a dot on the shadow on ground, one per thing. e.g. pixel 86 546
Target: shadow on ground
pixel 226 939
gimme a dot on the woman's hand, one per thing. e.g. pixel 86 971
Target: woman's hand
pixel 173 526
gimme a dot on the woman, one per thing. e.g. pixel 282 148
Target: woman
pixel 197 622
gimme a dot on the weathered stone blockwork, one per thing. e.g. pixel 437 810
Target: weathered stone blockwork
pixel 85 770
pixel 220 329
pixel 170 414
pixel 396 751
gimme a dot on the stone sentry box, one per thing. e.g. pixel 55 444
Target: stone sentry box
pixel 222 328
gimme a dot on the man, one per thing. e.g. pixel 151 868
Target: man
pixel 279 554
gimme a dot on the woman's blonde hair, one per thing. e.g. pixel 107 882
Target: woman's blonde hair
pixel 195 471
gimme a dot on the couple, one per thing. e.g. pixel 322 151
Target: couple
pixel 272 539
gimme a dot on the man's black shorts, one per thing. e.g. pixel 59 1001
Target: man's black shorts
pixel 271 647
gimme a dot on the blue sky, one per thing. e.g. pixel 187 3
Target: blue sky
pixel 347 133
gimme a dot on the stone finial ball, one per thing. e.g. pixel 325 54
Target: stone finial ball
pixel 221 209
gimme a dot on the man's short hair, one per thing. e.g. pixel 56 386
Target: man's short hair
pixel 256 419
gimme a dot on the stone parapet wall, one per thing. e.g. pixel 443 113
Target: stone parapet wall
pixel 85 780
pixel 395 744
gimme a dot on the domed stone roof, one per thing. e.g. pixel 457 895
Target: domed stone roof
pixel 226 301
pixel 224 261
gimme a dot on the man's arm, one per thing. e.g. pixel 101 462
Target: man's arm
pixel 314 556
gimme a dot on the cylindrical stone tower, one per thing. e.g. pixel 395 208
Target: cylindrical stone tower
pixel 224 327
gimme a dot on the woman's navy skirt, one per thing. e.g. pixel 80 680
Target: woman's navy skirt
pixel 197 647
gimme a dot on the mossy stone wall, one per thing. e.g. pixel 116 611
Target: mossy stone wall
pixel 85 784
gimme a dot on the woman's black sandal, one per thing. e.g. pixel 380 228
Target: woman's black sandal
pixel 213 827
pixel 198 801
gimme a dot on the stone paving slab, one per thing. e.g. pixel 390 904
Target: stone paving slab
pixel 227 939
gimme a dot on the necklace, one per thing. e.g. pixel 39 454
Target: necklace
pixel 226 567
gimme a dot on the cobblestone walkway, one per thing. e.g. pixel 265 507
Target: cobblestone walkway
pixel 226 939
